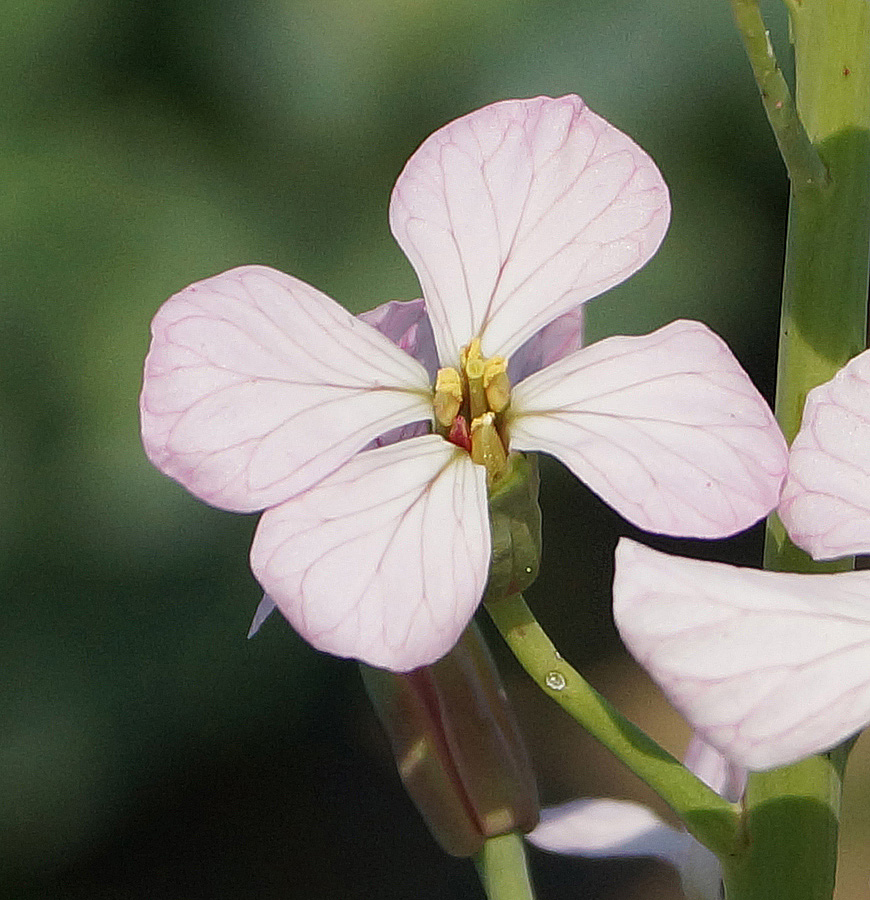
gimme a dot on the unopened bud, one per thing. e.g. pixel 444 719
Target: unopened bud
pixel 457 746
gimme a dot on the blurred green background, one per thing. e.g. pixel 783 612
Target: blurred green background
pixel 147 750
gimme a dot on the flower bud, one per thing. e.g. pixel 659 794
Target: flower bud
pixel 457 746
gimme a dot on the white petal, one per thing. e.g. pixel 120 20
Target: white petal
pixel 700 873
pixel 715 770
pixel 257 385
pixel 666 428
pixel 768 667
pixel 386 559
pixel 517 212
pixel 826 499
pixel 608 828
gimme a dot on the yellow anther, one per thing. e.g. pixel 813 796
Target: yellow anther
pixel 448 396
pixel 486 447
pixel 496 383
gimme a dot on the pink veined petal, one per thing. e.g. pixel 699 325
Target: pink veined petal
pixel 553 342
pixel 608 828
pixel 407 325
pixel 386 559
pixel 518 212
pixel 768 667
pixel 666 428
pixel 825 503
pixel 715 770
pixel 257 385
pixel 617 828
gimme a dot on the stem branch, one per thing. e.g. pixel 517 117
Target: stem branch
pixel 802 161
pixel 706 815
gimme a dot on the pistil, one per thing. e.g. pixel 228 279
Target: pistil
pixel 475 366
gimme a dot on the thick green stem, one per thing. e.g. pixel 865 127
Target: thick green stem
pixel 711 819
pixel 791 822
pixel 503 869
pixel 792 814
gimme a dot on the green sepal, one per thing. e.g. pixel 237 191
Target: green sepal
pixel 515 524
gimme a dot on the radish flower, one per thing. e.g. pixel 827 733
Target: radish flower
pixel 770 667
pixel 371 446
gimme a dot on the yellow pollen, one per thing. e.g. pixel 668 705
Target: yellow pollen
pixel 487 448
pixel 448 396
pixel 496 383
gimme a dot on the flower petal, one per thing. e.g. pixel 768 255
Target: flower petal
pixel 715 770
pixel 257 385
pixel 407 325
pixel 608 828
pixel 517 212
pixel 553 342
pixel 666 428
pixel 768 667
pixel 826 499
pixel 386 559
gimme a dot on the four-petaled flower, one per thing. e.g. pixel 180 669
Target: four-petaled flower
pixel 770 667
pixel 261 393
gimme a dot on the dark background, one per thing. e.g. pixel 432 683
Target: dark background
pixel 147 750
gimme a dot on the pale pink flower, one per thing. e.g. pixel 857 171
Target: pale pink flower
pixel 770 667
pixel 607 829
pixel 260 392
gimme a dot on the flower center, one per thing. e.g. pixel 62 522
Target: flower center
pixel 479 393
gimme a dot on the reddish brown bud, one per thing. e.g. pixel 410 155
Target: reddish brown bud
pixel 457 746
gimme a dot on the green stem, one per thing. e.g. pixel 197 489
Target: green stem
pixel 801 158
pixel 792 814
pixel 503 869
pixel 791 821
pixel 711 819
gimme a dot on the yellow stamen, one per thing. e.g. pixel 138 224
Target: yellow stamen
pixel 448 396
pixel 486 447
pixel 496 383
